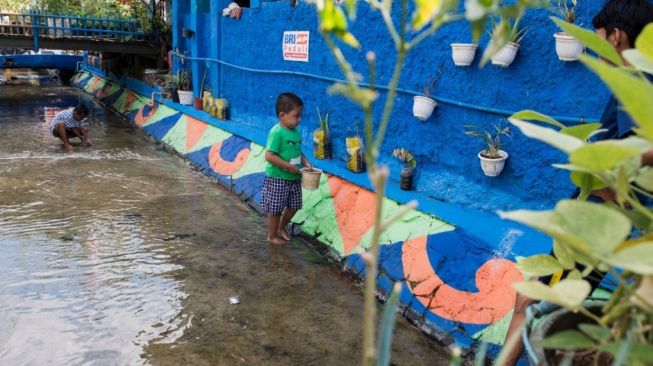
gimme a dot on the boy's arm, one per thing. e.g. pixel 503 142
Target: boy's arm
pixel 276 160
pixel 306 163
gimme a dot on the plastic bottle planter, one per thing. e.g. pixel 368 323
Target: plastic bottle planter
pixel 493 167
pixel 423 107
pixel 355 149
pixel 185 97
pixel 568 48
pixel 463 53
pixel 506 55
pixel 322 145
pixel 406 183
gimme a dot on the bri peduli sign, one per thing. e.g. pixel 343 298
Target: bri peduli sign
pixel 295 46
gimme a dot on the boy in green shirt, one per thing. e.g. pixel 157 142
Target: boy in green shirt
pixel 282 191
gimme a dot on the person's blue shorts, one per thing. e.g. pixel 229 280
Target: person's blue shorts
pixel 280 193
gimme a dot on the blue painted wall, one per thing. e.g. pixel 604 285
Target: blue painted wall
pixel 448 169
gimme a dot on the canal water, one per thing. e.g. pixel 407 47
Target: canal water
pixel 121 254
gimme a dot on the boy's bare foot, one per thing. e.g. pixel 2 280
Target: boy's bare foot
pixel 283 234
pixel 276 241
pixel 86 142
pixel 68 148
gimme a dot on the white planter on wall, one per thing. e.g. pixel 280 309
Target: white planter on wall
pixel 463 53
pixel 423 107
pixel 493 167
pixel 185 97
pixel 568 48
pixel 506 55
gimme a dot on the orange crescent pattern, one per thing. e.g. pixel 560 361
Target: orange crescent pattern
pixel 223 167
pixel 140 119
pixel 96 81
pixel 491 303
pixel 131 98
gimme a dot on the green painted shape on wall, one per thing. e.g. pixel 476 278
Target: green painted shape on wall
pixel 254 164
pixel 211 136
pixel 119 104
pixel 318 216
pixel 176 136
pixel 161 113
pixel 413 225
pixel 495 333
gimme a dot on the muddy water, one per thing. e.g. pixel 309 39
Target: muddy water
pixel 120 254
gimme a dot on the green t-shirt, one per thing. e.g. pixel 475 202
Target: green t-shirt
pixel 287 144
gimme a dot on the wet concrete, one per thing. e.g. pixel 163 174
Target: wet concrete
pixel 120 254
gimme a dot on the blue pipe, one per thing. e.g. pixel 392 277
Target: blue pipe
pixel 498 111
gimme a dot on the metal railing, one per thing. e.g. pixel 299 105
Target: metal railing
pixel 37 25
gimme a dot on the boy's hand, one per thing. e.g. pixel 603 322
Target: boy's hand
pixel 294 169
pixel 308 166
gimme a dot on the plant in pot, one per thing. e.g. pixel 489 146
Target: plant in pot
pixel 568 48
pixel 506 31
pixel 185 88
pixel 463 53
pixel 322 138
pixel 423 106
pixel 407 172
pixel 493 159
pixel 613 237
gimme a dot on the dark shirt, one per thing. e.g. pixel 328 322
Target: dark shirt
pixel 616 121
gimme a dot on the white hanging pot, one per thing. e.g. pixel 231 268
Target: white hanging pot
pixel 506 55
pixel 493 167
pixel 423 107
pixel 185 97
pixel 568 48
pixel 463 53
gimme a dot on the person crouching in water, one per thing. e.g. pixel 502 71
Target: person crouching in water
pixel 70 123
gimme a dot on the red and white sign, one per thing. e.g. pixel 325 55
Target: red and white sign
pixel 295 46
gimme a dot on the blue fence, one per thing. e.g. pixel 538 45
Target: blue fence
pixel 39 25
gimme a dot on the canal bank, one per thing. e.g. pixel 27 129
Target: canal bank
pixel 121 254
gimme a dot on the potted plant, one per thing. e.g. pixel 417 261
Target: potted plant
pixel 493 159
pixel 463 53
pixel 322 138
pixel 407 172
pixel 185 88
pixel 509 30
pixel 612 237
pixel 423 106
pixel 568 48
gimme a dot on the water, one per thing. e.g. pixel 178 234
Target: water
pixel 120 254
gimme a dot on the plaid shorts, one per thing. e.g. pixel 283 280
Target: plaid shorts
pixel 280 193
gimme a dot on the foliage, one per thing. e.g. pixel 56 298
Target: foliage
pixel 492 139
pixel 567 10
pixel 508 29
pixel 600 236
pixel 405 156
pixel 184 80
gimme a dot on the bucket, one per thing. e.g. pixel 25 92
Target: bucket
pixel 311 178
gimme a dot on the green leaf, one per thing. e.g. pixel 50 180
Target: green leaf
pixel 581 225
pixel 333 20
pixel 351 8
pixel 562 142
pixel 586 182
pixel 638 60
pixel 644 42
pixel 425 11
pixel 582 132
pixel 499 38
pixel 591 40
pixel 645 178
pixel 387 326
pixel 634 93
pixel 361 96
pixel 566 293
pixel 529 115
pixel 564 255
pixel 640 353
pixel 567 340
pixel 602 156
pixel 539 265
pixel 597 332
pixel 638 258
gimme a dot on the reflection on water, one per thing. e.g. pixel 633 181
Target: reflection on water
pixel 119 254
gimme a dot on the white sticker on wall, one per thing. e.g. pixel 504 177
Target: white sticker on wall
pixel 295 46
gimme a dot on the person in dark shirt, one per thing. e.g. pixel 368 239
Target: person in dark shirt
pixel 620 22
